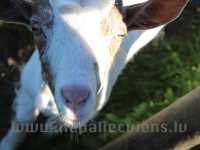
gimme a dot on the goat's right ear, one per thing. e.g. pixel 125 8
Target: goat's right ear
pixel 152 13
pixel 16 11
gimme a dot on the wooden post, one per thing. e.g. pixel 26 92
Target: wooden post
pixel 175 127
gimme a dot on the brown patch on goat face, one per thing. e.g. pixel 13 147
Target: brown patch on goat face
pixel 42 17
pixel 41 43
pixel 105 27
pixel 114 27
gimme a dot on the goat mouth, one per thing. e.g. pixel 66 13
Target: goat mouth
pixel 74 124
pixel 77 120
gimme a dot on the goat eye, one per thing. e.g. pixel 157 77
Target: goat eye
pixel 37 31
pixel 121 35
pixel 35 25
pixel 122 32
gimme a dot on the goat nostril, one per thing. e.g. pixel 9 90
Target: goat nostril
pixel 75 95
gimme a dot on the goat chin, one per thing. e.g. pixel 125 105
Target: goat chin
pixel 59 124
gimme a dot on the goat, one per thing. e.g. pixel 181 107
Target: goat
pixel 81 48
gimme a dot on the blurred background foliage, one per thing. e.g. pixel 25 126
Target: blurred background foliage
pixel 166 69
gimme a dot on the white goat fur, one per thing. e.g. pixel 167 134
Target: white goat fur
pixel 34 96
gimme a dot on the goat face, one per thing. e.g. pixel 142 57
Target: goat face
pixel 86 36
pixel 80 44
pixel 80 50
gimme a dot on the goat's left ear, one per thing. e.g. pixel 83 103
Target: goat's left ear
pixel 152 13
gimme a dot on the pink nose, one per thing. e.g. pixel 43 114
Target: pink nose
pixel 75 94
